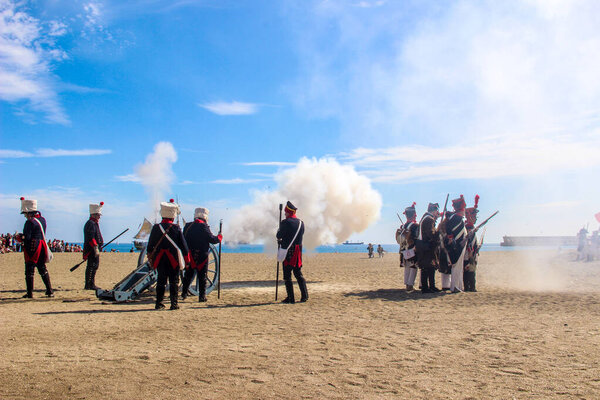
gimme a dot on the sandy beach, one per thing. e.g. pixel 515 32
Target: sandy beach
pixel 531 331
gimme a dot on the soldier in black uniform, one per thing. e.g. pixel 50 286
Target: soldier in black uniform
pixel 455 241
pixel 427 248
pixel 92 244
pixel 168 253
pixel 198 237
pixel 406 236
pixel 289 235
pixel 35 248
pixel 472 250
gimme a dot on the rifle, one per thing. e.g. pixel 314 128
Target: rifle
pixel 73 268
pixel 444 212
pixel 278 245
pixel 484 222
pixel 219 283
pixel 402 222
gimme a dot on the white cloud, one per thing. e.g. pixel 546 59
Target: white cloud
pixel 231 108
pixel 53 153
pixel 129 178
pixel 26 56
pixel 486 159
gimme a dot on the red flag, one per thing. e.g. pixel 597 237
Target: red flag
pixel 597 217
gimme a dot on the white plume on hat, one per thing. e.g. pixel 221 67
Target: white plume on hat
pixel 201 212
pixel 28 205
pixel 96 208
pixel 169 210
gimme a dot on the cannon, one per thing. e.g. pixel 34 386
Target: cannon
pixel 144 276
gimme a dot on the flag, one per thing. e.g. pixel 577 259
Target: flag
pixel 597 217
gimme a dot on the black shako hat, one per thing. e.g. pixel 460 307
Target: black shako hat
pixel 410 212
pixel 433 207
pixel 289 207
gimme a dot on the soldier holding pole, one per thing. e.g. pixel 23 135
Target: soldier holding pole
pixel 290 235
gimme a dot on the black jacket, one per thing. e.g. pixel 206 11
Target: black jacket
pixel 287 230
pixel 456 237
pixel 33 236
pixel 198 237
pixel 91 236
pixel 164 246
pixel 427 245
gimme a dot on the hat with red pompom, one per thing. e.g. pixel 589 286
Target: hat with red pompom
pixel 96 208
pixel 169 210
pixel 28 206
pixel 410 212
pixel 459 204
pixel 471 213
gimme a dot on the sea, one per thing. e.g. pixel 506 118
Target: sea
pixel 337 248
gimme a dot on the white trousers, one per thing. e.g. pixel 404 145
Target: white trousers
pixel 409 276
pixel 445 281
pixel 456 281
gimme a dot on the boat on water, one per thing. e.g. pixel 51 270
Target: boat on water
pixel 347 242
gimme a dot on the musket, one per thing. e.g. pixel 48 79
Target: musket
pixel 73 268
pixel 444 212
pixel 402 222
pixel 484 222
pixel 278 245
pixel 219 282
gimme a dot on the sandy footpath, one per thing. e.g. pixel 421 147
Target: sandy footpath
pixel 532 331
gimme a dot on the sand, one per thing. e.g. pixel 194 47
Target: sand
pixel 532 331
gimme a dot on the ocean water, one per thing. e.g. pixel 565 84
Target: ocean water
pixel 340 248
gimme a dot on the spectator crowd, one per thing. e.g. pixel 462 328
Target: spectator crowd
pixel 9 244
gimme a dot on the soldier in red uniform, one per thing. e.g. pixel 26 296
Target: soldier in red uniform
pixel 168 253
pixel 289 236
pixel 35 248
pixel 198 237
pixel 93 241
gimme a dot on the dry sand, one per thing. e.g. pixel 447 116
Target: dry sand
pixel 532 331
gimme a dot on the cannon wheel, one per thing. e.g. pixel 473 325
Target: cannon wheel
pixel 212 276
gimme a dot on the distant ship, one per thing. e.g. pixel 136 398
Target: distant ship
pixel 352 243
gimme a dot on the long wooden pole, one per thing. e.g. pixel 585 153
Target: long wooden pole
pixel 73 268
pixel 278 245
pixel 220 268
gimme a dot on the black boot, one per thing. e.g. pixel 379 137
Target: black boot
pixel 174 297
pixel 46 280
pixel 93 279
pixel 29 284
pixel 289 288
pixel 303 290
pixel 185 285
pixel 87 278
pixel 160 294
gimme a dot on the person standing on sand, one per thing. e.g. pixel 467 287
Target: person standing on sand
pixel 370 250
pixel 455 241
pixel 198 237
pixel 427 248
pixel 168 253
pixel 380 250
pixel 406 236
pixel 289 235
pixel 472 250
pixel 92 244
pixel 35 248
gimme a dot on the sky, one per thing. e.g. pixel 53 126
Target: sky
pixel 423 98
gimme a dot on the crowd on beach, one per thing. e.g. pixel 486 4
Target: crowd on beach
pixel 588 248
pixel 9 244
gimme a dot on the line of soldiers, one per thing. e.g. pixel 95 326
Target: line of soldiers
pixel 588 249
pixel 451 248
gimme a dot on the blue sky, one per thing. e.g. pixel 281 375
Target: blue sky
pixel 500 99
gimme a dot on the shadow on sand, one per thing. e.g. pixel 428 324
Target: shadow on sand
pixel 394 295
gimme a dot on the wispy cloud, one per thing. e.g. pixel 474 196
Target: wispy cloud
pixel 5 153
pixel 129 178
pixel 231 108
pixel 27 53
pixel 485 159
pixel 236 181
pixel 270 163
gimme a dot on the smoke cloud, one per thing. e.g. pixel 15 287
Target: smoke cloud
pixel 333 200
pixel 156 173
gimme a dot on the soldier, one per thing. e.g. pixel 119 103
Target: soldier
pixel 380 250
pixel 427 248
pixel 406 236
pixel 370 250
pixel 168 253
pixel 472 250
pixel 198 237
pixel 581 243
pixel 455 241
pixel 35 248
pixel 92 244
pixel 289 235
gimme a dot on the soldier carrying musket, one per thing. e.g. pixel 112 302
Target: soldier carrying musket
pixel 455 241
pixel 472 251
pixel 289 235
pixel 406 236
pixel 427 248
